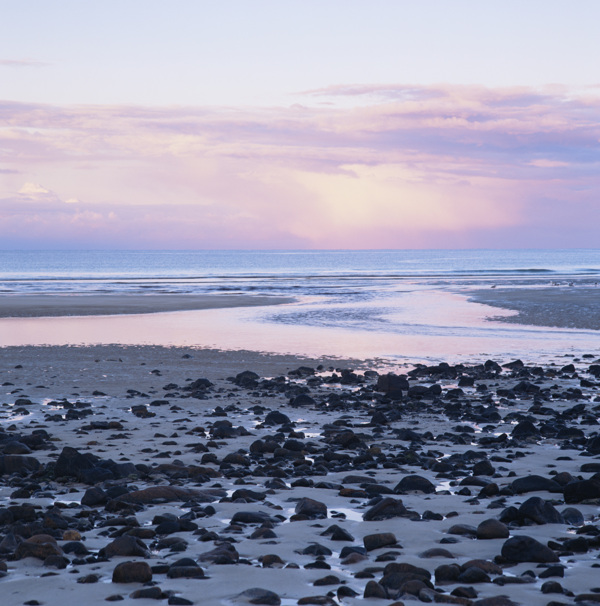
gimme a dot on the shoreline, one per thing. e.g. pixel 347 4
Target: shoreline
pixel 321 485
pixel 57 305
pixel 553 307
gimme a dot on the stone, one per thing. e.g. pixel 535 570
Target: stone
pixel 149 593
pixel 127 546
pixel 539 511
pixel 16 463
pixel 492 529
pixel 374 590
pixel 93 497
pixel 535 483
pixel 132 572
pixel 225 553
pixel 38 546
pixel 522 548
pixel 414 484
pixel 378 540
pixel 257 595
pixel 311 508
pixel 576 492
pixel 385 509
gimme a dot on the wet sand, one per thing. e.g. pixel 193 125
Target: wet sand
pixel 54 305
pixel 562 307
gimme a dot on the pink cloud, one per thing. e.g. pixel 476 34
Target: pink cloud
pixel 391 166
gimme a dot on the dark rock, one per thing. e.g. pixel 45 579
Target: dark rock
pixel 385 509
pixel 492 529
pixel 374 590
pixel 572 516
pixel 276 418
pixel 526 549
pixel 576 492
pixel 534 483
pixel 473 575
pixel 222 554
pixel 414 483
pixel 257 595
pixel 539 511
pixel 132 572
pixel 378 540
pixel 149 593
pixel 127 546
pixel 93 497
pixel 15 463
pixel 311 508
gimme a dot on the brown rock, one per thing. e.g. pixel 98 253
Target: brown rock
pixel 132 572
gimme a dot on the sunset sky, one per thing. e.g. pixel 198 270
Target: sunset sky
pixel 299 124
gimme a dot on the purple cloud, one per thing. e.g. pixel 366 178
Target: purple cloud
pixel 391 166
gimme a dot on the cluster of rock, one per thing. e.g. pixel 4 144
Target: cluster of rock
pixel 388 447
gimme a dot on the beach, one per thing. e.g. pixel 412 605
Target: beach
pixel 234 477
pixel 292 464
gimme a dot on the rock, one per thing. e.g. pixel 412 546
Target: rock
pixel 378 540
pixel 535 483
pixel 164 494
pixel 311 508
pixel 526 549
pixel 472 575
pixel 127 546
pixel 38 546
pixel 552 587
pixel 93 497
pixel 414 484
pixel 276 418
pixel 525 429
pixel 253 517
pixel 302 400
pixel 132 572
pixel 436 552
pixel 185 572
pixel 374 590
pixel 492 529
pixel 247 379
pixel 576 492
pixel 16 448
pixel 539 511
pixel 572 516
pixel 149 593
pixel 257 595
pixel 499 600
pixel 465 530
pixel 222 554
pixel 15 463
pixel 385 509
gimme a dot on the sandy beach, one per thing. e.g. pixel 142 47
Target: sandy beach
pixel 236 478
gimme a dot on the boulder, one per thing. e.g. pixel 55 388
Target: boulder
pixel 132 572
pixel 522 548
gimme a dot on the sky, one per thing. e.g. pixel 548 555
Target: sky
pixel 304 124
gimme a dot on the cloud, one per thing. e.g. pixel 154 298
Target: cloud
pixel 33 190
pixel 22 63
pixel 381 166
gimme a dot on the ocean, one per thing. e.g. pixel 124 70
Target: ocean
pixel 379 303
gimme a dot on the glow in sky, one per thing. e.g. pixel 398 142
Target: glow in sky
pixel 275 124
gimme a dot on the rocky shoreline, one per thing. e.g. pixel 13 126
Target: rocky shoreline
pixel 467 484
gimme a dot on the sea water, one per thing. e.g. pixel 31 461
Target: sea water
pixel 384 303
